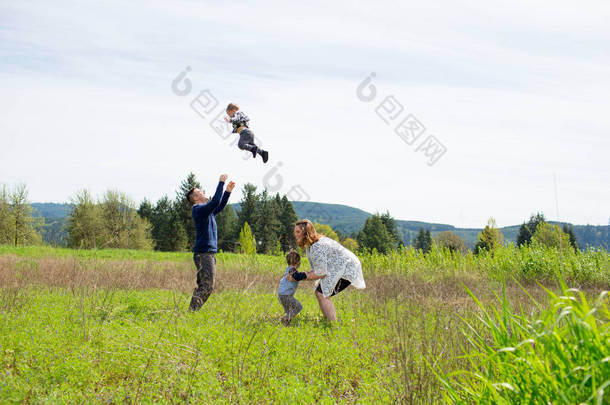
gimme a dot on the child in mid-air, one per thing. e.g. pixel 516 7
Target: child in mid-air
pixel 288 286
pixel 239 120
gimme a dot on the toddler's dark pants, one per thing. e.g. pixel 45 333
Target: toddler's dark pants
pixel 246 140
pixel 291 305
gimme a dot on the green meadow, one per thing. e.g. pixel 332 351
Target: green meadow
pixel 111 326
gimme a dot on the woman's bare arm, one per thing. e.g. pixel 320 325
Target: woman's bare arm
pixel 313 276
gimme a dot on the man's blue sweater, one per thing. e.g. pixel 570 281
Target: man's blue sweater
pixel 205 222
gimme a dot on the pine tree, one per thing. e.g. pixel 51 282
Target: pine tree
pixel 183 208
pixel 267 225
pixel 145 210
pixel 427 241
pixel 226 223
pixel 272 219
pixel 248 206
pixel 390 225
pixel 247 242
pixel 179 239
pixel 526 230
pixel 423 240
pixel 167 229
pixel 287 220
pixel 161 218
pixel 375 235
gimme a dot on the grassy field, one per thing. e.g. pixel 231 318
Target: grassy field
pixel 112 327
pixel 115 345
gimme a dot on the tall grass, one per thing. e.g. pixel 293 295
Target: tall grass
pixel 523 263
pixel 97 254
pixel 560 356
pixel 526 263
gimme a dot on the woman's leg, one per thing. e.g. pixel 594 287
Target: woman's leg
pixel 327 307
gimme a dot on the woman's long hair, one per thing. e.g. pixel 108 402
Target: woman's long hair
pixel 310 236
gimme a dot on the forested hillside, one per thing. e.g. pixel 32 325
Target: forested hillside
pixel 345 219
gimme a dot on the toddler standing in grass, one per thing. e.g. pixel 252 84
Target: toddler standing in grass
pixel 288 286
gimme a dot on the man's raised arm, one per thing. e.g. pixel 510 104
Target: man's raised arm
pixel 213 203
pixel 225 197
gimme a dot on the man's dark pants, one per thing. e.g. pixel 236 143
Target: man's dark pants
pixel 206 274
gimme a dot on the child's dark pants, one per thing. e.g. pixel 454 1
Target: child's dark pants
pixel 291 305
pixel 246 140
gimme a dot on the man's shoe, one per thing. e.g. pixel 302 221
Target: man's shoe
pixel 254 151
pixel 265 156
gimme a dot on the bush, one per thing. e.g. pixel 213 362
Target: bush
pixel 451 241
pixel 489 238
pixel 350 244
pixel 550 235
pixel 247 243
pixel 327 231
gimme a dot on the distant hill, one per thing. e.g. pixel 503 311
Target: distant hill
pixel 343 218
pixel 348 219
pixel 55 218
pixel 52 210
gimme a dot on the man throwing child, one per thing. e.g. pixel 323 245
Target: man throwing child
pixel 206 242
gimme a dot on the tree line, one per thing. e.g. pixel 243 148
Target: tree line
pixel 380 234
pixel 261 223
pixel 108 222
pixel 265 222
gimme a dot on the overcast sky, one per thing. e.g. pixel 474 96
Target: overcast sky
pixel 516 92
